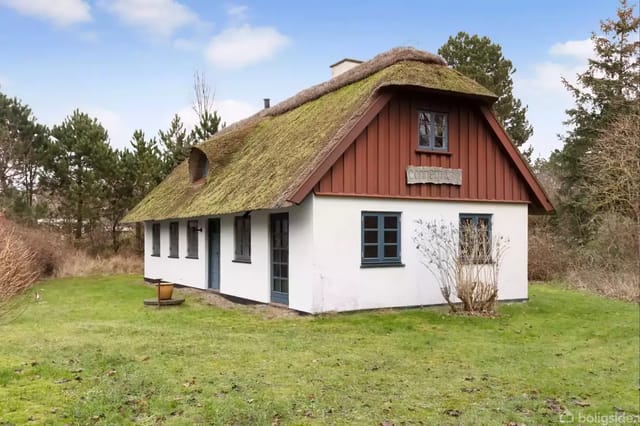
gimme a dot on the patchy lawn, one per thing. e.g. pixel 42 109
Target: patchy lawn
pixel 89 352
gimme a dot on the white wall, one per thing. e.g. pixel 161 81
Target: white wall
pixel 324 255
pixel 246 280
pixel 341 284
pixel 191 272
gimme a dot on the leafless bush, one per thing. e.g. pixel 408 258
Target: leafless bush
pixel 549 254
pixel 78 263
pixel 18 268
pixel 464 260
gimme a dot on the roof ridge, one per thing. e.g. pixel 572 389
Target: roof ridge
pixel 362 71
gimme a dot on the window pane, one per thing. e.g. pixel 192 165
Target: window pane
pixel 391 250
pixel 284 286
pixel 371 222
pixel 284 271
pixel 390 236
pixel 276 270
pixel 390 222
pixel 438 142
pixel 370 252
pixel 370 236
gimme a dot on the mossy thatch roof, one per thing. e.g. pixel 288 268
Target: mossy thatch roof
pixel 259 163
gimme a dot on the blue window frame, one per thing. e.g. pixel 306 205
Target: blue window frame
pixel 433 130
pixel 475 238
pixel 155 239
pixel 380 238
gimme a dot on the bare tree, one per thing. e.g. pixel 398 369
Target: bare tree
pixel 465 262
pixel 203 96
pixel 613 170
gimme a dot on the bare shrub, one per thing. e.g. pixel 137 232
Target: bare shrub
pixel 78 263
pixel 621 284
pixel 549 253
pixel 18 268
pixel 465 261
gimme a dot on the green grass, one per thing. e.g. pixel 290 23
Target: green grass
pixel 89 352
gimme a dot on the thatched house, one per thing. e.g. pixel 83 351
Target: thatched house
pixel 312 203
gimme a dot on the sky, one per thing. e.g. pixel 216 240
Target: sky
pixel 130 63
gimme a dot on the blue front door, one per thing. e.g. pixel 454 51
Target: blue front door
pixel 280 258
pixel 214 254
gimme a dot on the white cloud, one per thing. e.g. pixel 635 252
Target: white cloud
pixel 61 12
pixel 157 17
pixel 238 12
pixel 239 47
pixel 230 110
pixel 545 94
pixel 579 49
pixel 119 134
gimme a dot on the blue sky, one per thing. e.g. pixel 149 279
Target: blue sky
pixel 130 62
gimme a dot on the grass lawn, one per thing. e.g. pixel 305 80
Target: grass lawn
pixel 89 352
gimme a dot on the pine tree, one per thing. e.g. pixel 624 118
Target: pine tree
pixel 176 143
pixel 608 89
pixel 76 168
pixel 482 60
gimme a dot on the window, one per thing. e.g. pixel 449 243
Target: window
pixel 380 238
pixel 475 238
pixel 155 239
pixel 242 236
pixel 192 239
pixel 174 235
pixel 198 165
pixel 433 130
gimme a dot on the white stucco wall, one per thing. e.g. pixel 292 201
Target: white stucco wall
pixel 246 280
pixel 324 255
pixel 340 283
pixel 191 272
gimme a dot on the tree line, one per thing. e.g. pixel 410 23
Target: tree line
pixel 70 175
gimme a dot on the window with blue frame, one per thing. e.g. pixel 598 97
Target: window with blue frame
pixel 475 238
pixel 433 131
pixel 380 238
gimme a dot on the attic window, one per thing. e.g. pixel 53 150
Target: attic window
pixel 433 131
pixel 198 166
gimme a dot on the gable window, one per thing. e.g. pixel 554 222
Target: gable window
pixel 380 238
pixel 155 239
pixel 433 130
pixel 192 239
pixel 174 235
pixel 242 236
pixel 475 238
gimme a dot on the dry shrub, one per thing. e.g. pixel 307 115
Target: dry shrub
pixel 78 263
pixel 49 247
pixel 465 261
pixel 623 285
pixel 548 253
pixel 19 269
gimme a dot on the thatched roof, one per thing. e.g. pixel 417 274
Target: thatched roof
pixel 259 162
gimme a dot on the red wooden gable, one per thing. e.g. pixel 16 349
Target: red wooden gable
pixel 374 162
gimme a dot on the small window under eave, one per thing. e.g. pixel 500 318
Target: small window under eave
pixel 198 166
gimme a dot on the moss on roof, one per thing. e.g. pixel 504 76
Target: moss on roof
pixel 261 161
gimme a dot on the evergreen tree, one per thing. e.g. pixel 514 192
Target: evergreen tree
pixel 22 145
pixel 482 60
pixel 119 191
pixel 208 125
pixel 77 167
pixel 608 89
pixel 176 143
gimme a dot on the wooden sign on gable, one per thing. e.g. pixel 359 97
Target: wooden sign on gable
pixel 437 175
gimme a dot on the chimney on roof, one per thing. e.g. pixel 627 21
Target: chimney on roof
pixel 267 103
pixel 343 65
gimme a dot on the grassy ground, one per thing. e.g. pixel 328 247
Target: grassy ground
pixel 89 352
